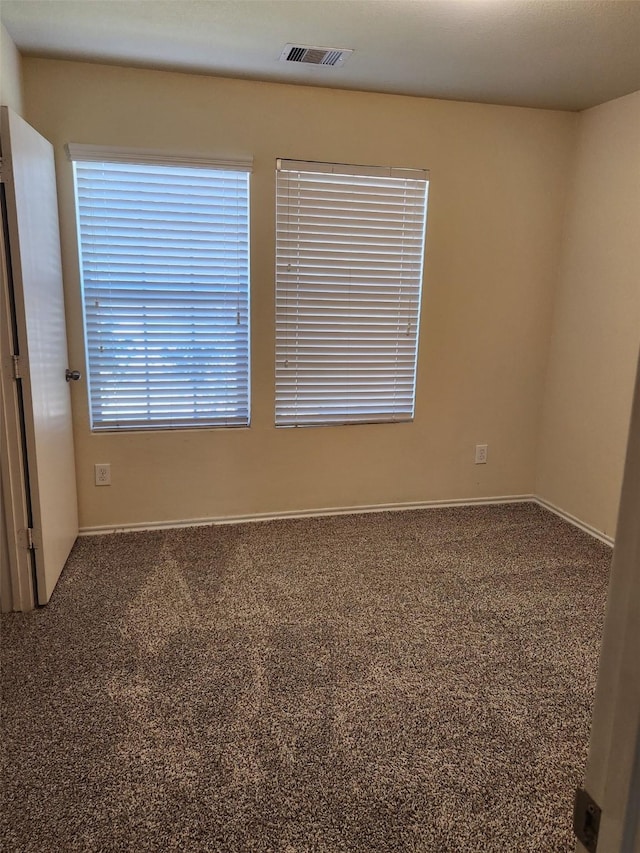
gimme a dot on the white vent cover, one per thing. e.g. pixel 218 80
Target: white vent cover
pixel 315 55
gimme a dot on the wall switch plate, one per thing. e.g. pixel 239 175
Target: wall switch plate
pixel 481 453
pixel 103 474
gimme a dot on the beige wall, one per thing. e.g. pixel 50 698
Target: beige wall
pixel 496 204
pixel 10 73
pixel 596 328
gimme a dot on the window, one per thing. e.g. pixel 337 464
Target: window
pixel 349 257
pixel 164 247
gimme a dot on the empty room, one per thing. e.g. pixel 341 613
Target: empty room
pixel 320 457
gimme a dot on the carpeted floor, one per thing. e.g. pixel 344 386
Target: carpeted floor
pixel 411 681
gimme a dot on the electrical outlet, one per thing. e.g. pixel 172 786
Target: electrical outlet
pixel 481 453
pixel 103 474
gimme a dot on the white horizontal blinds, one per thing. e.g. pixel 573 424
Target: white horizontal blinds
pixel 165 270
pixel 350 244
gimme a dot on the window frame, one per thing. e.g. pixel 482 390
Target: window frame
pixel 360 175
pixel 241 419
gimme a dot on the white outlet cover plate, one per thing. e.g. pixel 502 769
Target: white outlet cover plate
pixel 102 474
pixel 481 453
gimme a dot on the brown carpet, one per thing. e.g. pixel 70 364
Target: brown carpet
pixel 412 681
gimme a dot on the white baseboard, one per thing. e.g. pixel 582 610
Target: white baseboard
pixel 587 528
pixel 346 510
pixel 303 513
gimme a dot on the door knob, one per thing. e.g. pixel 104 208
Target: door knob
pixel 72 374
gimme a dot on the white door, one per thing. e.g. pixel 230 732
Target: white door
pixel 34 266
pixel 613 770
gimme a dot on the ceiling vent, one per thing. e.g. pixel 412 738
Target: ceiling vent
pixel 315 55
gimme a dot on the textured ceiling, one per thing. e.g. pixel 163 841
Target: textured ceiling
pixel 562 54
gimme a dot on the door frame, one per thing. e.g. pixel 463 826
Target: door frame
pixel 613 770
pixel 17 580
